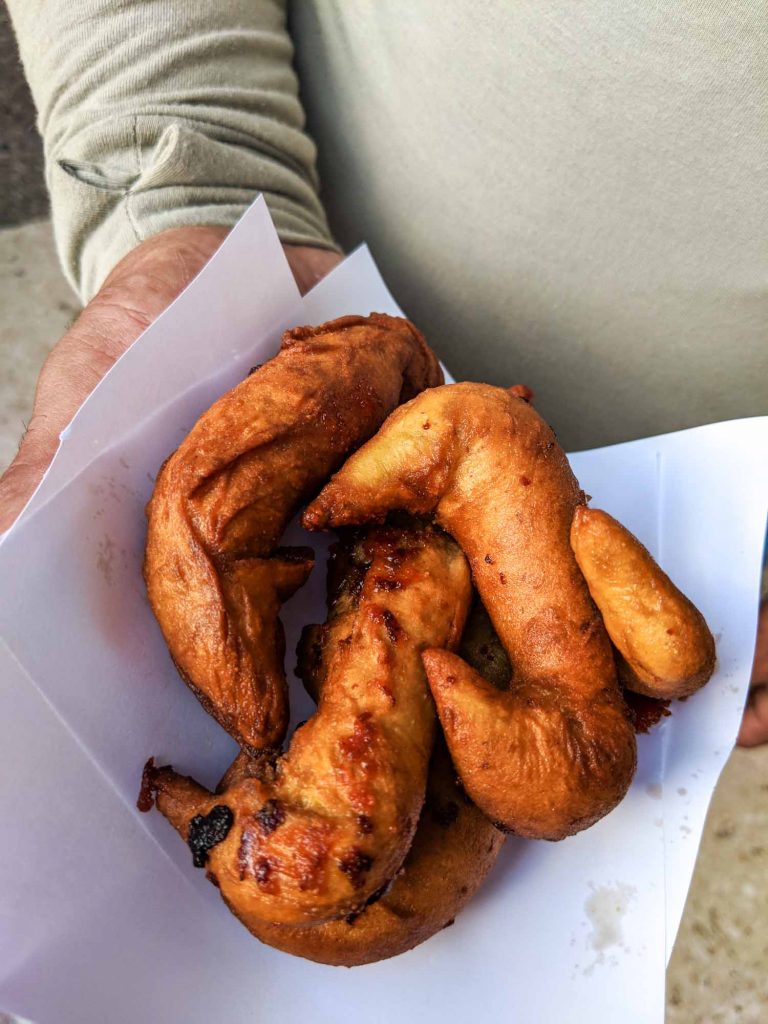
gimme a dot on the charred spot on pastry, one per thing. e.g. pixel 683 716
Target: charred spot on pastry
pixel 148 789
pixel 262 870
pixel 500 827
pixel 380 893
pixel 525 481
pixel 355 865
pixel 364 825
pixel 502 578
pixel 645 712
pixel 446 814
pixel 208 830
pixel 270 817
pixel 489 560
pixel 253 369
pixel 426 425
pixel 212 878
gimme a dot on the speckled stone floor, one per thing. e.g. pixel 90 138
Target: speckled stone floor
pixel 22 189
pixel 719 969
pixel 36 306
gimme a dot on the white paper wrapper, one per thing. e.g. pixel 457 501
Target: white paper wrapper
pixel 102 916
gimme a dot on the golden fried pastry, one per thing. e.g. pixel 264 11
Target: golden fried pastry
pixel 665 645
pixel 214 575
pixel 555 752
pixel 315 837
pixel 482 649
pixel 454 848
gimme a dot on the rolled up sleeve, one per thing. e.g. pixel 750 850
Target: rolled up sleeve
pixel 161 113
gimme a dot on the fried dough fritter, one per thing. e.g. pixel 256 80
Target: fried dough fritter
pixel 215 577
pixel 454 848
pixel 314 837
pixel 482 649
pixel 666 648
pixel 555 752
pixel 453 851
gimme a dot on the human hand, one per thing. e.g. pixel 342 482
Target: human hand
pixel 135 293
pixel 754 725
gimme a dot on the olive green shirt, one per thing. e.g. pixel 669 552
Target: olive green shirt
pixel 567 195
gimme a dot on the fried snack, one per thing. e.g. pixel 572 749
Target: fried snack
pixel 482 649
pixel 314 838
pixel 555 752
pixel 214 575
pixel 665 646
pixel 454 849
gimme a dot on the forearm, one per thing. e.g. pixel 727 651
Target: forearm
pixel 138 289
pixel 164 113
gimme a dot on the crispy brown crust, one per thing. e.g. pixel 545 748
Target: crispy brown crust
pixel 215 577
pixel 455 845
pixel 453 851
pixel 556 752
pixel 314 837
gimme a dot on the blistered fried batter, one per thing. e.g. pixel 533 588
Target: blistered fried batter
pixel 214 575
pixel 556 751
pixel 315 837
pixel 665 646
pixel 454 848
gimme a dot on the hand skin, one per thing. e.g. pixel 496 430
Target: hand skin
pixel 135 293
pixel 754 725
